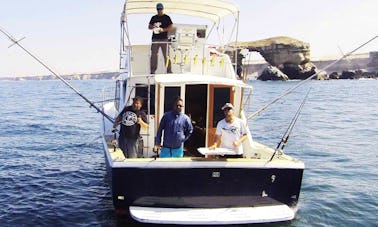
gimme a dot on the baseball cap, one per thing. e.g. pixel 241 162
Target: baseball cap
pixel 159 6
pixel 228 105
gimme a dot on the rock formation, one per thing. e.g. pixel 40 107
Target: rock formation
pixel 272 73
pixel 289 55
pixel 358 74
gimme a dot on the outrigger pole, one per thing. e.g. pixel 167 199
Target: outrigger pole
pixel 256 113
pixel 286 135
pixel 17 42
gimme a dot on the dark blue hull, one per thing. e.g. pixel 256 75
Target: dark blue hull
pixel 204 187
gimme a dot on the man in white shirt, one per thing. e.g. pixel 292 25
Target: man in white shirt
pixel 230 132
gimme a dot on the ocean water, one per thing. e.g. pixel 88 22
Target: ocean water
pixel 52 169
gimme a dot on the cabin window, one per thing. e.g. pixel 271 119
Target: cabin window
pixel 170 95
pixel 142 91
pixel 196 103
pixel 221 96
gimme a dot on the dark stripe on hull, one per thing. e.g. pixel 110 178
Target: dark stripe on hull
pixel 204 187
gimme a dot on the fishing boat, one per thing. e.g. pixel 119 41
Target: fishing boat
pixel 203 187
pixel 197 189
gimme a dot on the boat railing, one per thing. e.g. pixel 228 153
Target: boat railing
pixel 192 58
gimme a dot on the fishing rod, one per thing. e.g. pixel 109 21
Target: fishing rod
pixel 17 42
pixel 256 113
pixel 286 135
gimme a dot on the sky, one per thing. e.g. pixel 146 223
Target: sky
pixel 82 36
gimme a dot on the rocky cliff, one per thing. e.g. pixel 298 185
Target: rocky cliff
pixel 289 58
pixel 281 50
pixel 285 54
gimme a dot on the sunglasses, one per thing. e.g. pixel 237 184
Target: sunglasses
pixel 226 109
pixel 179 106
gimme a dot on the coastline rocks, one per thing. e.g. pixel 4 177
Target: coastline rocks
pixel 272 73
pixel 358 74
pixel 334 76
pixel 370 75
pixel 299 72
pixel 349 74
pixel 84 76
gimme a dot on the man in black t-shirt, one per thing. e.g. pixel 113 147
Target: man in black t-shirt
pixel 161 24
pixel 132 118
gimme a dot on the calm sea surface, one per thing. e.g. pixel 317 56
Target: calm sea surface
pixel 52 169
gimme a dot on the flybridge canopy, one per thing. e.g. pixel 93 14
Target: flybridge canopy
pixel 210 9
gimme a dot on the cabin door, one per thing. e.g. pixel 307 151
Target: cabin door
pixel 219 95
pixel 195 108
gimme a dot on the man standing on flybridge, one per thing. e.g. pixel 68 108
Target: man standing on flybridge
pixel 161 24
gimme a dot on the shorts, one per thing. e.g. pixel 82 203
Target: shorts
pixel 167 152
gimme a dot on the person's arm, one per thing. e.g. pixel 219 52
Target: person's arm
pixel 115 124
pixel 243 130
pixel 189 129
pixel 143 124
pixel 118 119
pixel 168 29
pixel 217 142
pixel 218 137
pixel 142 120
pixel 240 140
pixel 151 24
pixel 170 25
pixel 160 131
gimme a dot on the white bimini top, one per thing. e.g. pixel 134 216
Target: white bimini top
pixel 213 10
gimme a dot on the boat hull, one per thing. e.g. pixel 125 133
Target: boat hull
pixel 150 189
pixel 204 187
pixel 186 186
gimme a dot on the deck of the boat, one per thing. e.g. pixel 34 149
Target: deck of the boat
pixel 261 156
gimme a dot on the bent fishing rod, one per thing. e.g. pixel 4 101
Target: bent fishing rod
pixel 17 42
pixel 256 113
pixel 286 135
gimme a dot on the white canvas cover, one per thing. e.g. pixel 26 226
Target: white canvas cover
pixel 210 9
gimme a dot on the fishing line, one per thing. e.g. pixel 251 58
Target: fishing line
pixel 17 42
pixel 286 135
pixel 256 113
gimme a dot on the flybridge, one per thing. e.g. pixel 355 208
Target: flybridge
pixel 213 10
pixel 188 50
pixel 187 53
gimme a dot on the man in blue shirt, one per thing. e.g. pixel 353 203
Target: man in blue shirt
pixel 177 129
